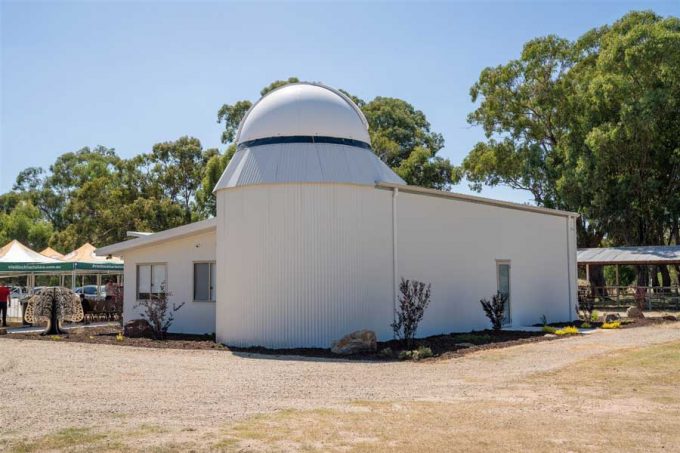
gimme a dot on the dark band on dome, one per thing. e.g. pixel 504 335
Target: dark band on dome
pixel 303 139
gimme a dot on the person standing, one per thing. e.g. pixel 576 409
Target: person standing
pixel 4 300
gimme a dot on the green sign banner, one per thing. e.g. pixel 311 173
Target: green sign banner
pixel 52 267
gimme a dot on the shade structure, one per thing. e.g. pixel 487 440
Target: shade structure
pixel 641 255
pixel 51 253
pixel 16 257
pixel 84 258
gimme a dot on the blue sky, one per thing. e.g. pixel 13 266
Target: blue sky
pixel 128 75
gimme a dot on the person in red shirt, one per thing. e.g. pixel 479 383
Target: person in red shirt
pixel 4 299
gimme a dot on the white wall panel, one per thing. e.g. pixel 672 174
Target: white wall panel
pixel 179 254
pixel 454 245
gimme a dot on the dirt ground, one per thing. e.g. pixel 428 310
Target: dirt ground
pixel 611 390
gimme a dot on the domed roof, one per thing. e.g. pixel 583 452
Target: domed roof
pixel 304 110
pixel 307 133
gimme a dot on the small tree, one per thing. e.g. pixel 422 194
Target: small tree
pixel 495 309
pixel 157 313
pixel 413 300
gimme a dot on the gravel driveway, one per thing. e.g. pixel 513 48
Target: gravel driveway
pixel 50 385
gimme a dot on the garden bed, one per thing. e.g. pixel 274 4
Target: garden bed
pixel 442 346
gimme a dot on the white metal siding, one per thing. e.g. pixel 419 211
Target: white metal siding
pixel 454 245
pixel 179 254
pixel 303 264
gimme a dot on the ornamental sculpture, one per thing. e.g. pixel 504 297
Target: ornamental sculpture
pixel 54 305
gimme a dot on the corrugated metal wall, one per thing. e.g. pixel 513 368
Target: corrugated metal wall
pixel 303 264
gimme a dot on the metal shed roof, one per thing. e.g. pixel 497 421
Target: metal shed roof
pixel 647 254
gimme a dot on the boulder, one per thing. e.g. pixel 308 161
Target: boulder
pixel 359 341
pixel 138 328
pixel 611 317
pixel 634 312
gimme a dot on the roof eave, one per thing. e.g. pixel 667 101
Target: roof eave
pixel 476 199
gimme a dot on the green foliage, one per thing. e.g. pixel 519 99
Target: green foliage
pixel 591 125
pixel 25 224
pixel 569 330
pixel 594 316
pixel 549 329
pixel 586 325
pixel 422 352
pixel 213 171
pixel 627 275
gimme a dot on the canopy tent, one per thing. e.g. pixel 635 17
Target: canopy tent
pixel 84 258
pixel 17 260
pixel 16 257
pixel 51 253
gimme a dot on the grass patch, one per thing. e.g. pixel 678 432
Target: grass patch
pixel 548 417
pixel 61 440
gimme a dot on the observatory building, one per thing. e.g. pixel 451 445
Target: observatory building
pixel 314 232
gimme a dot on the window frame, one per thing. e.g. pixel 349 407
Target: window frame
pixel 211 264
pixel 151 266
pixel 499 263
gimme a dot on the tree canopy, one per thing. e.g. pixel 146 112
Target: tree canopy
pixel 591 125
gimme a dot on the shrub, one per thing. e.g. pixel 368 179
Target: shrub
pixel 158 314
pixel 595 316
pixel 612 325
pixel 422 352
pixel 413 300
pixel 495 309
pixel 586 325
pixel 549 329
pixel 584 308
pixel 387 352
pixel 120 337
pixel 569 330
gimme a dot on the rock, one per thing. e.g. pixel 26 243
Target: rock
pixel 634 312
pixel 669 318
pixel 3 331
pixel 465 345
pixel 611 317
pixel 138 328
pixel 359 341
pixel 550 335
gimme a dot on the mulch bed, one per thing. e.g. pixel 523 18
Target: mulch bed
pixel 442 346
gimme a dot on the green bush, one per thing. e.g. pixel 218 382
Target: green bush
pixel 586 325
pixel 422 352
pixel 548 329
pixel 595 316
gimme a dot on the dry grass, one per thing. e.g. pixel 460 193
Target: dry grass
pixel 626 402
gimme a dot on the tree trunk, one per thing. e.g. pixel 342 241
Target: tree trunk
pixel 665 277
pixel 597 281
pixel 642 278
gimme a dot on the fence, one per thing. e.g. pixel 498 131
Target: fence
pixel 659 298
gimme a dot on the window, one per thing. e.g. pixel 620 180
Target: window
pixel 151 279
pixel 204 282
pixel 503 280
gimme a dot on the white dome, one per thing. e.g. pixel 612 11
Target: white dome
pixel 304 133
pixel 304 109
